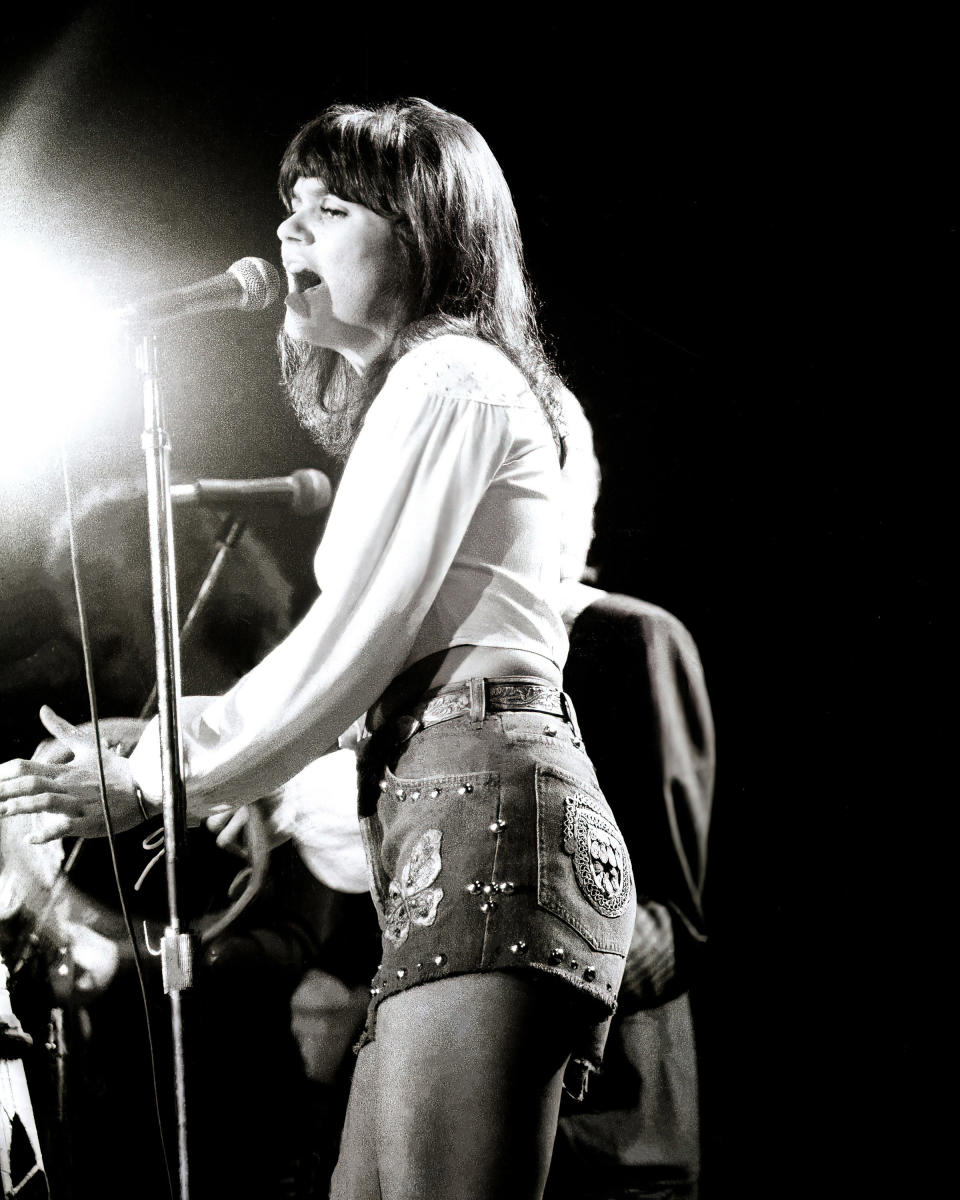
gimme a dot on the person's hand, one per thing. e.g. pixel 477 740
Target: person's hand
pixel 232 828
pixel 119 734
pixel 229 828
pixel 70 790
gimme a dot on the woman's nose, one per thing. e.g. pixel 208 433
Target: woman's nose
pixel 290 229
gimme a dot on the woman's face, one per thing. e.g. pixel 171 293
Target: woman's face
pixel 344 273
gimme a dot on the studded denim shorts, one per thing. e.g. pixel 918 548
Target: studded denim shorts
pixel 490 847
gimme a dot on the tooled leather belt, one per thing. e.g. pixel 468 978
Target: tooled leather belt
pixel 499 697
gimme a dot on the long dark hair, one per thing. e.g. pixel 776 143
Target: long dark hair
pixel 433 175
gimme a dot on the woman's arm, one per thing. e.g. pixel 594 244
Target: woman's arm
pixel 430 446
pixel 417 473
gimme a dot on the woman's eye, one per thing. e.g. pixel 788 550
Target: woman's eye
pixel 334 212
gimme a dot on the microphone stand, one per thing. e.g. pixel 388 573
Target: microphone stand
pixel 227 539
pixel 176 946
pixel 230 533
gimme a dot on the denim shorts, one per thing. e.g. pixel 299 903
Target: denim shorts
pixel 491 847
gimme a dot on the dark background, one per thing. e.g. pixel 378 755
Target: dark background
pixel 742 239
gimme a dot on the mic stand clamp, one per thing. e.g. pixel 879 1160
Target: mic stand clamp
pixel 176 960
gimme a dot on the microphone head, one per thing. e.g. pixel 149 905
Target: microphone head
pixel 311 491
pixel 259 283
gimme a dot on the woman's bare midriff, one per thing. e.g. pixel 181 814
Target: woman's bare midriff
pixel 467 662
pixel 455 665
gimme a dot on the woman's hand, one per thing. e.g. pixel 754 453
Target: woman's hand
pixel 70 790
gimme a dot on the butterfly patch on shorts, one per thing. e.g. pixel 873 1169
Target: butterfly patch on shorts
pixel 410 899
pixel 599 856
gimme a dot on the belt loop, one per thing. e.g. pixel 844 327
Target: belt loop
pixel 478 700
pixel 571 714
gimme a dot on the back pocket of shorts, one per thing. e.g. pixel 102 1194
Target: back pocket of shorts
pixel 583 869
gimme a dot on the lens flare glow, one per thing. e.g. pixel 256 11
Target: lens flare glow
pixel 61 355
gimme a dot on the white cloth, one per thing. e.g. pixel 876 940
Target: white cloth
pixel 317 810
pixel 575 597
pixel 445 531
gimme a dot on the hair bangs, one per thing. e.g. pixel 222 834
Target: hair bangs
pixel 346 149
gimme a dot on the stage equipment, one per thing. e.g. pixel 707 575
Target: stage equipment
pixel 250 285
pixel 21 1162
pixel 305 492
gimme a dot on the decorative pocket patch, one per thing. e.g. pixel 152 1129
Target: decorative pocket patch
pixel 410 899
pixel 599 857
pixel 584 875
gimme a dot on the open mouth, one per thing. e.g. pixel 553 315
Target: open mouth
pixel 304 280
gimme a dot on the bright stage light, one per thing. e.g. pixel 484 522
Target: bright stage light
pixel 61 355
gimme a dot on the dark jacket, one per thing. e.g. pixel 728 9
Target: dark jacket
pixel 636 680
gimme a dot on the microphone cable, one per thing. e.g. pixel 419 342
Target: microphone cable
pixel 108 820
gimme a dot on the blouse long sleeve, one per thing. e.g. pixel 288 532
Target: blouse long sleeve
pixel 433 440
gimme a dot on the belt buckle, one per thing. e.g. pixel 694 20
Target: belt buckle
pixel 444 705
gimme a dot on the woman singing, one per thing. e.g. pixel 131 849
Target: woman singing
pixel 502 885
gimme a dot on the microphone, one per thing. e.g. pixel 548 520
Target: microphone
pixel 251 285
pixel 306 492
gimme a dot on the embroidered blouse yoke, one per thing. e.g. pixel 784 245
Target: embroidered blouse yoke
pixel 445 531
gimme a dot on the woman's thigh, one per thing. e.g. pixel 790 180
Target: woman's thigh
pixel 462 1088
pixel 356 1176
